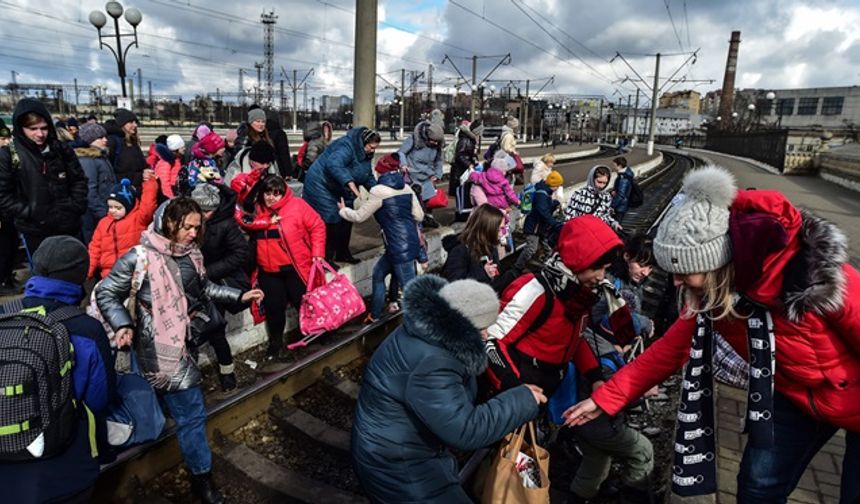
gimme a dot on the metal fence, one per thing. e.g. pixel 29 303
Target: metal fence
pixel 765 146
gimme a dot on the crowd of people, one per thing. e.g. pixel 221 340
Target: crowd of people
pixel 171 238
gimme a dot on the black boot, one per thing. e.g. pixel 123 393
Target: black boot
pixel 228 382
pixel 430 222
pixel 204 488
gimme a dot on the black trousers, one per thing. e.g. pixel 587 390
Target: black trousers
pixel 9 241
pixel 280 288
pixel 337 240
pixel 218 340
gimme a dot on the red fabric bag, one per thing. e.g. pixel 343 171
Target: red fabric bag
pixel 520 167
pixel 439 200
pixel 327 305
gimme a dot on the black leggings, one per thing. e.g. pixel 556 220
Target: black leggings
pixel 337 240
pixel 280 288
pixel 218 340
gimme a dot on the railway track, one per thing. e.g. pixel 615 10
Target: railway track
pixel 262 436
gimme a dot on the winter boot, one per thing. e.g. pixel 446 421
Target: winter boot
pixel 204 488
pixel 429 222
pixel 228 382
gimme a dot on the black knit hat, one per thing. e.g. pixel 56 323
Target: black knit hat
pixel 262 152
pixel 62 258
pixel 125 194
pixel 124 116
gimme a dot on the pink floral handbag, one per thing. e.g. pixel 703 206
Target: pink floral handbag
pixel 327 305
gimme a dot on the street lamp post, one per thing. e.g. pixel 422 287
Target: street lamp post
pixel 751 109
pixel 773 107
pixel 133 17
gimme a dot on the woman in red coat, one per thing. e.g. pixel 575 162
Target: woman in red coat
pixel 288 236
pixel 775 283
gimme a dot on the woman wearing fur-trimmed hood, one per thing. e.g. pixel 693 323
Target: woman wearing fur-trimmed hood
pixel 417 401
pixel 774 282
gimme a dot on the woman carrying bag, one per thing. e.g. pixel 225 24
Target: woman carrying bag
pixel 418 398
pixel 174 293
pixel 288 237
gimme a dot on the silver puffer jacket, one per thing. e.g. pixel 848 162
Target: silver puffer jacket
pixel 114 290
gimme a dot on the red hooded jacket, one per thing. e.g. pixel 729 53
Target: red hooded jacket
pixel 795 264
pixel 294 240
pixel 582 241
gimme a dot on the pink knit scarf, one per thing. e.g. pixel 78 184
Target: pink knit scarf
pixel 170 320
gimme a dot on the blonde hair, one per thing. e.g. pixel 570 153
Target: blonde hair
pixel 718 301
pixel 548 159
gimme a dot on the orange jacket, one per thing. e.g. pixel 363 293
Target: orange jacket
pixel 113 238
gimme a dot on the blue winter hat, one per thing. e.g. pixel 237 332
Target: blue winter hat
pixel 125 194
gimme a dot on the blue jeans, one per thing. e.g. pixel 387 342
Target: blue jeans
pixel 403 273
pixel 187 408
pixel 769 475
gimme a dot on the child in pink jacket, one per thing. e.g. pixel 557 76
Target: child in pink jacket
pixel 497 189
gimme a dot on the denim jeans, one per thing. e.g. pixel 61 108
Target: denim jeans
pixel 403 273
pixel 769 475
pixel 187 408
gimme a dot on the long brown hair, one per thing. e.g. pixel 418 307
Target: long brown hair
pixel 175 214
pixel 481 234
pixel 254 137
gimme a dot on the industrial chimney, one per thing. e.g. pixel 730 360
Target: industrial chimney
pixel 727 97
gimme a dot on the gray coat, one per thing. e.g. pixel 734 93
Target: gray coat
pixel 423 161
pixel 418 402
pixel 112 292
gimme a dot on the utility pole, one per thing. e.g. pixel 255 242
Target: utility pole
pixel 653 120
pixel 430 96
pixel 403 98
pixel 151 108
pixel 283 98
pixel 140 86
pixel 524 133
pixel 241 88
pixel 294 86
pixel 364 74
pixel 474 87
pixel 131 92
pixel 636 114
pixel 627 116
pixel 258 93
pixel 14 86
pixel 77 95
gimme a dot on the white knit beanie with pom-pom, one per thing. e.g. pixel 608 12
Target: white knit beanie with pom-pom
pixel 693 237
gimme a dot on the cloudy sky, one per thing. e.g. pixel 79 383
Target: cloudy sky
pixel 191 47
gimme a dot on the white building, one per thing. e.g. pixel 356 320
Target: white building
pixel 668 122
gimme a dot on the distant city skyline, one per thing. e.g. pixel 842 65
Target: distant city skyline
pixel 189 48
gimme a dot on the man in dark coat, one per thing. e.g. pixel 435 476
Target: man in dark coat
pixel 281 144
pixel 225 255
pixel 417 401
pixel 465 154
pixel 42 185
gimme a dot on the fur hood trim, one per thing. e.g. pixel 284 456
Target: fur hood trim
pixel 814 279
pixel 427 316
pixel 90 152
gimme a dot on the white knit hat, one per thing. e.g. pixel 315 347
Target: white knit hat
pixel 175 142
pixel 693 237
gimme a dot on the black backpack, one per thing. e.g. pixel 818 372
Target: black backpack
pixel 636 197
pixel 38 418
